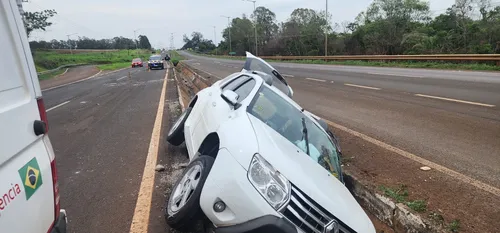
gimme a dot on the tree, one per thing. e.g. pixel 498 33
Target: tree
pixel 198 43
pixel 37 20
pixel 266 25
pixel 144 42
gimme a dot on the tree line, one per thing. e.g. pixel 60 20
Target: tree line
pixel 142 42
pixel 386 27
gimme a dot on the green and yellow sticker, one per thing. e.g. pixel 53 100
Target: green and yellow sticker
pixel 31 177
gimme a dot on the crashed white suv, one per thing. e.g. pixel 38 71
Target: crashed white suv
pixel 259 162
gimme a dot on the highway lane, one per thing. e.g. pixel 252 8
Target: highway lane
pixel 385 104
pixel 100 130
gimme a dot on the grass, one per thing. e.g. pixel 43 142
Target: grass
pixel 51 59
pixel 114 66
pixel 175 57
pixel 50 74
pixel 454 226
pixel 400 194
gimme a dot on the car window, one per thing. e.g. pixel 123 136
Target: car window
pixel 286 119
pixel 136 60
pixel 231 85
pixel 156 57
pixel 244 89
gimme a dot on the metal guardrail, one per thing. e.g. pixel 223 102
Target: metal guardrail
pixel 431 57
pixel 60 67
pixel 440 57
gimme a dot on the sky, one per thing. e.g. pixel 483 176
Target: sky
pixel 161 19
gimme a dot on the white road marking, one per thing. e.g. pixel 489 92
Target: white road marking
pixel 81 80
pixel 455 100
pixel 317 80
pixel 57 106
pixel 288 75
pixel 121 78
pixel 464 178
pixel 332 81
pixel 140 219
pixel 365 87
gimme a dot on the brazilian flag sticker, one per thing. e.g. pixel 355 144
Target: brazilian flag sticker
pixel 31 177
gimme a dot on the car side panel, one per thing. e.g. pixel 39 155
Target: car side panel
pixel 194 131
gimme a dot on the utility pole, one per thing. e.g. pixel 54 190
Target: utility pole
pixel 255 24
pixel 135 38
pixel 215 41
pixel 69 42
pixel 172 42
pixel 326 29
pixel 229 27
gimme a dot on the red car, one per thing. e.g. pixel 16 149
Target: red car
pixel 136 62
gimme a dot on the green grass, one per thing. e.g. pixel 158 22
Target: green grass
pixel 50 74
pixel 51 59
pixel 114 66
pixel 418 205
pixel 454 226
pixel 400 194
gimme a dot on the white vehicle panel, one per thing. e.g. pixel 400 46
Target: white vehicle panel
pixel 243 202
pixel 26 189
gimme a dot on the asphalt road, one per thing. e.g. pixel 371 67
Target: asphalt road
pixel 101 138
pixel 451 118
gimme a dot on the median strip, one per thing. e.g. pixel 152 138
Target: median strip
pixel 455 100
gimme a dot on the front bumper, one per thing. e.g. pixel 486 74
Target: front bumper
pixel 246 210
pixel 155 65
pixel 60 223
pixel 264 224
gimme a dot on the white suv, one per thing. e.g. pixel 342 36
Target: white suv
pixel 29 193
pixel 259 162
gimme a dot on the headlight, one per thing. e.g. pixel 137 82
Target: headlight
pixel 273 186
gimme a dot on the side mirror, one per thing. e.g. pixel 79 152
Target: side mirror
pixel 291 92
pixel 230 97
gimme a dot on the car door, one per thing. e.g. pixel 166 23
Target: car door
pixel 253 63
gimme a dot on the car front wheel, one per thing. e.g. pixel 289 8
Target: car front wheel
pixel 183 210
pixel 175 135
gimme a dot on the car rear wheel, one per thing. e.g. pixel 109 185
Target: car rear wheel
pixel 175 135
pixel 183 210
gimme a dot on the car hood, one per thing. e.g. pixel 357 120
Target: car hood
pixel 155 61
pixel 310 177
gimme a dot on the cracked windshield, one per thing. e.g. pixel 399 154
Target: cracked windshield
pixel 244 116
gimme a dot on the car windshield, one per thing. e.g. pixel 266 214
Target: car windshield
pixel 286 119
pixel 136 60
pixel 156 57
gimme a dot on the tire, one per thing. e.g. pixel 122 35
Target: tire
pixel 175 135
pixel 162 67
pixel 183 214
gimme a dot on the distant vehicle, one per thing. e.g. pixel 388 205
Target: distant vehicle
pixel 136 62
pixel 259 162
pixel 155 61
pixel 29 189
pixel 167 58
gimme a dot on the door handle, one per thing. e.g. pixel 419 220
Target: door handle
pixel 39 127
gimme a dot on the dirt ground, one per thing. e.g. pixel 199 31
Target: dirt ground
pixel 477 211
pixel 73 74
